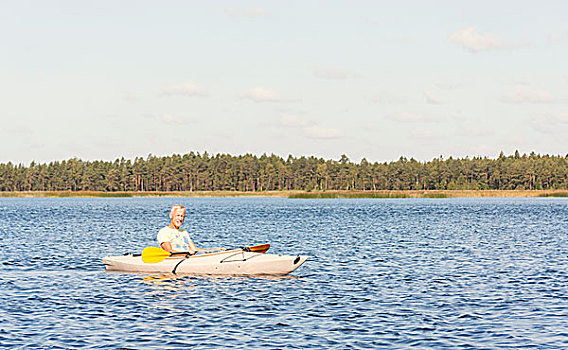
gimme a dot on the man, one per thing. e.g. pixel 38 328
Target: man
pixel 172 239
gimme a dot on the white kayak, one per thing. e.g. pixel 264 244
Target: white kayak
pixel 231 262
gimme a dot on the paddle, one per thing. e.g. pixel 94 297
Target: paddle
pixel 261 248
pixel 155 254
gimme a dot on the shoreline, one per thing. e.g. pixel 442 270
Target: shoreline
pixel 297 194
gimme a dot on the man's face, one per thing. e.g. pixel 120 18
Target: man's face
pixel 178 217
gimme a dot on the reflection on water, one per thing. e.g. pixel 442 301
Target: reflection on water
pixel 159 278
pixel 393 274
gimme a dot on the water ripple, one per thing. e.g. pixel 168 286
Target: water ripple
pixel 404 274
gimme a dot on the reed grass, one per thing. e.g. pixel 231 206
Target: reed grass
pixel 125 194
pixel 323 195
pixel 434 194
pixel 554 194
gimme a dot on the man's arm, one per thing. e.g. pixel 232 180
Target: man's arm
pixel 167 246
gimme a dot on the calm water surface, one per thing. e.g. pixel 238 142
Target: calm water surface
pixel 391 274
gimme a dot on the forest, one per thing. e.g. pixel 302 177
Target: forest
pixel 248 173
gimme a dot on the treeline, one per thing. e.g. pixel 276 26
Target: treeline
pixel 223 172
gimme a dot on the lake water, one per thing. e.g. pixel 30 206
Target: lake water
pixel 391 274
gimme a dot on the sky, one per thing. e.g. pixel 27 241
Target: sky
pixel 101 80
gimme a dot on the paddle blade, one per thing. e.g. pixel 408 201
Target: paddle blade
pixel 154 255
pixel 261 248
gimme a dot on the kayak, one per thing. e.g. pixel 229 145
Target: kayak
pixel 231 262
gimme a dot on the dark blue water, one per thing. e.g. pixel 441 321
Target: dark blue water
pixel 392 274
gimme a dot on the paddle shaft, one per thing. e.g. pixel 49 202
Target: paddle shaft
pixel 261 248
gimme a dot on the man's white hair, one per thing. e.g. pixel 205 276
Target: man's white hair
pixel 175 208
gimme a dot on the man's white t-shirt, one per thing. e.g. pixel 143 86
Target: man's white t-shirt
pixel 179 239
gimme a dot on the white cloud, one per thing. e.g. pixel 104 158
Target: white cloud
pixel 476 42
pixel 472 130
pixel 263 95
pixel 316 132
pixel 130 97
pixel 452 85
pixel 388 98
pixel 559 38
pixel 173 120
pixel 306 127
pixel 250 13
pixel 424 135
pixel 524 94
pixel 409 118
pixel 185 89
pixel 19 130
pixel 431 97
pixel 333 73
pixel 551 124
pixel 291 121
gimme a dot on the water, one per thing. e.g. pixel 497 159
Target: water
pixel 391 274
